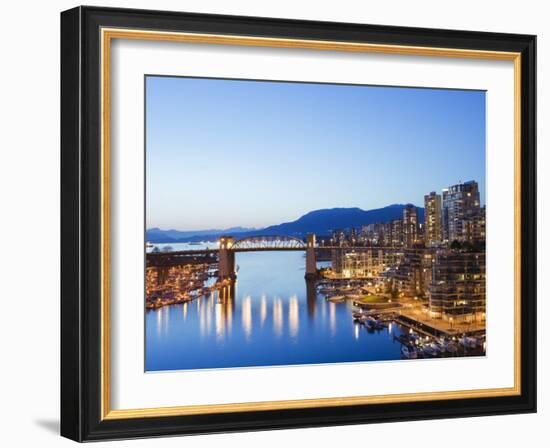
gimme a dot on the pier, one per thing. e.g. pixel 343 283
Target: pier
pixel 166 259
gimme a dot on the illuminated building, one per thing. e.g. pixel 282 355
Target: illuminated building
pixel 387 236
pixel 432 219
pixel 361 263
pixel 353 236
pixel 459 202
pixel 457 289
pixel 397 233
pixel 473 227
pixel 339 238
pixel 373 233
pixel 410 225
pixel 413 274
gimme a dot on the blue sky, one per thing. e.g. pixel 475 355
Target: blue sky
pixel 223 153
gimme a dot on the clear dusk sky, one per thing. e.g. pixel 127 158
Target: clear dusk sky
pixel 225 153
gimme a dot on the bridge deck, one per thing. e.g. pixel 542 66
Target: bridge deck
pixel 266 249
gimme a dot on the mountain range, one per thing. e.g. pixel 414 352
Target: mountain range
pixel 320 222
pixel 156 235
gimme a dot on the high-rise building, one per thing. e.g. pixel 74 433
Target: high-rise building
pixel 353 236
pixel 387 234
pixel 374 233
pixel 338 238
pixel 420 233
pixel 410 225
pixel 432 219
pixel 473 227
pixel 459 202
pixel 397 233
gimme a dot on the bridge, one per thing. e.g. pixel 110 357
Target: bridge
pixel 229 246
pixel 225 254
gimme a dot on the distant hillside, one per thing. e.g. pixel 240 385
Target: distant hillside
pixel 320 222
pixel 156 235
pixel 323 222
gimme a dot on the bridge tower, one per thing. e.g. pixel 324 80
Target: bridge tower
pixel 227 257
pixel 311 261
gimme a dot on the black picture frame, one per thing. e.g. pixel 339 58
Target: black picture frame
pixel 81 224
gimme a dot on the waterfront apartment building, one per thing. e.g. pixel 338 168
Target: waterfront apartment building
pixel 362 262
pixel 457 289
pixel 459 202
pixel 413 274
pixel 410 225
pixel 432 219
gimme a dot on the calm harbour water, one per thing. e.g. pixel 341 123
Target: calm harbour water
pixel 272 320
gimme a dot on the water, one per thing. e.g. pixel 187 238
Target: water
pixel 272 320
pixel 184 246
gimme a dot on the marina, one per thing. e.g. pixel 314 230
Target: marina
pixel 421 344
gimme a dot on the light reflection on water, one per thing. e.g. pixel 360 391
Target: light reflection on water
pixel 271 317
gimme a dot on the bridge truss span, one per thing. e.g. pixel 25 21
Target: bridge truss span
pixel 269 242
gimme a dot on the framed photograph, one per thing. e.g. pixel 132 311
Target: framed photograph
pixel 274 223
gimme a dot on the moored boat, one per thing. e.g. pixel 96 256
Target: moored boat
pixel 441 345
pixel 452 347
pixel 409 352
pixel 468 341
pixel 370 323
pixel 431 350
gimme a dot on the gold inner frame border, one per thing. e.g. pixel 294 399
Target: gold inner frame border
pixel 107 35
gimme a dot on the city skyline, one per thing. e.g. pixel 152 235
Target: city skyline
pixel 204 168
